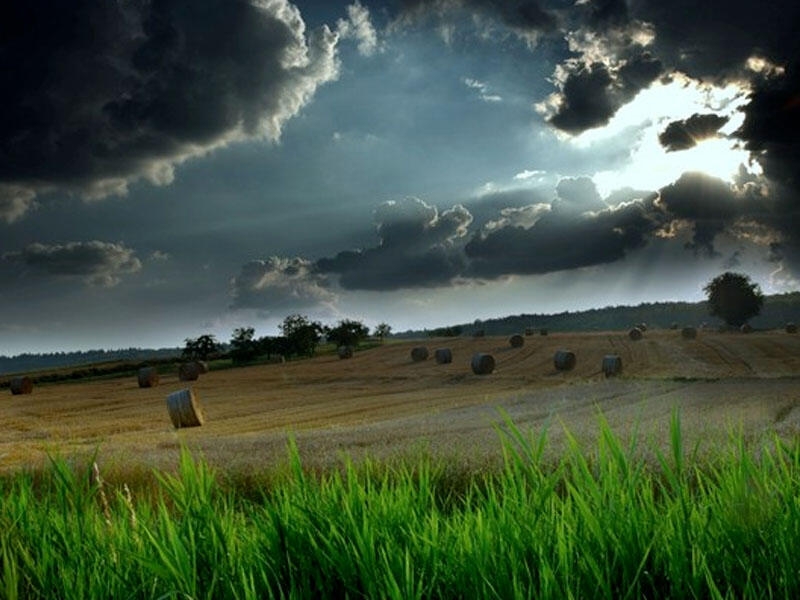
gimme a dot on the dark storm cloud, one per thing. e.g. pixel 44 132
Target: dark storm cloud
pixel 591 93
pixel 713 39
pixel 419 247
pixel 558 239
pixel 99 94
pixel 772 119
pixel 686 133
pixel 97 263
pixel 708 203
pixel 280 284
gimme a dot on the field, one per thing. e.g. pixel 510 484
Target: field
pixel 382 404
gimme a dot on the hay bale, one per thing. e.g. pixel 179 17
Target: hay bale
pixel 746 328
pixel 688 333
pixel 482 363
pixel 345 352
pixel 148 377
pixel 612 365
pixel 203 366
pixel 189 371
pixel 184 410
pixel 543 332
pixel 673 326
pixel 529 331
pixel 791 327
pixel 419 353
pixel 479 333
pixel 21 385
pixel 564 360
pixel 516 341
pixel 443 356
pixel 635 334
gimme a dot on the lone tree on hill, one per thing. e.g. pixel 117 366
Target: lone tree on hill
pixel 734 298
pixel 348 333
pixel 302 335
pixel 244 347
pixel 200 348
pixel 382 330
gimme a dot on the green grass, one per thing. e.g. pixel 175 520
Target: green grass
pixel 596 523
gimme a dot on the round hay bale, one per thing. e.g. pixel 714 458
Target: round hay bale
pixel 746 328
pixel 529 331
pixel 688 333
pixel 148 377
pixel 482 363
pixel 443 356
pixel 516 341
pixel 345 352
pixel 612 365
pixel 543 332
pixel 564 360
pixel 791 327
pixel 184 410
pixel 21 385
pixel 635 334
pixel 479 333
pixel 203 366
pixel 419 353
pixel 189 371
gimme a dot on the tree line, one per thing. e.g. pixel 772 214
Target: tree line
pixel 300 337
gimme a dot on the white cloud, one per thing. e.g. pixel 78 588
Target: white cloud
pixel 482 89
pixel 358 26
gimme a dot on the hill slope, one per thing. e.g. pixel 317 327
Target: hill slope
pixel 777 310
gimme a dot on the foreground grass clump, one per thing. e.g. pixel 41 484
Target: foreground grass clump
pixel 613 526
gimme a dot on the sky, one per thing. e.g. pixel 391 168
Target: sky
pixel 170 168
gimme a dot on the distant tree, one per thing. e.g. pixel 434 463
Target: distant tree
pixel 302 335
pixel 244 347
pixel 734 298
pixel 348 333
pixel 200 348
pixel 382 330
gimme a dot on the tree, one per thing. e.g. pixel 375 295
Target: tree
pixel 734 298
pixel 200 348
pixel 348 333
pixel 302 335
pixel 382 330
pixel 243 347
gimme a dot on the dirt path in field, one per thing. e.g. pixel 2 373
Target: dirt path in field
pixel 383 404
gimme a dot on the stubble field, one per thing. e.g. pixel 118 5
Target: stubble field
pixel 382 404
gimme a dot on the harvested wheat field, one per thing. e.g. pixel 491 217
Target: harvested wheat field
pixel 383 404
